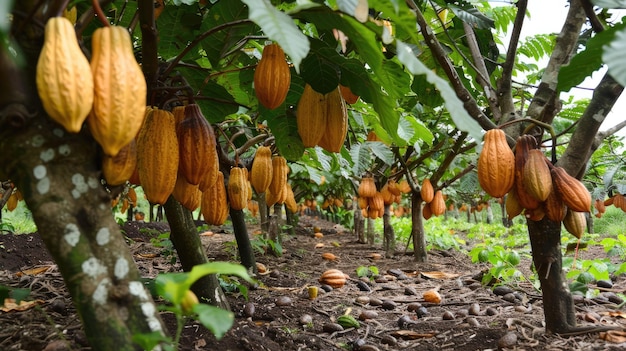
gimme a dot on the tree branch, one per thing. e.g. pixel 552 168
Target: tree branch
pixel 507 107
pixel 149 46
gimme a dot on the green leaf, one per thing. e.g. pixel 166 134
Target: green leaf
pixel 361 157
pixel 217 320
pixel 382 151
pixel 214 100
pixel 610 4
pixel 459 115
pixel 471 15
pixel 320 69
pixel 181 22
pixel 281 28
pixel 614 57
pixel 285 131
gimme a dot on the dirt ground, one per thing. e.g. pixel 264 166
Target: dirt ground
pixel 279 314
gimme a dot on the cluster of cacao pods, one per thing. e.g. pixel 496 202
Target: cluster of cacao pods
pixel 269 175
pixel 370 200
pixel 531 183
pixel 331 203
pixel 618 200
pixel 322 119
pixel 434 201
pixel 109 92
pixel 128 198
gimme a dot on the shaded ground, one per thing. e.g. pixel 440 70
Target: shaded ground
pixel 470 317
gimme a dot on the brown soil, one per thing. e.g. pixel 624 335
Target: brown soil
pixel 475 317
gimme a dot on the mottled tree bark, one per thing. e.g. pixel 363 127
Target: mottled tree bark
pixel 246 252
pixel 389 236
pixel 185 239
pixel 417 229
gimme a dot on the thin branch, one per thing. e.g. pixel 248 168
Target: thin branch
pixel 248 144
pixel 447 161
pixel 149 46
pixel 596 24
pixel 458 176
pixel 504 83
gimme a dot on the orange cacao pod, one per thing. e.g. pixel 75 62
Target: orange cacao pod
pixel 64 79
pixel 119 103
pixel 362 202
pixel 336 123
pixel 524 144
pixel 290 200
pixel 197 147
pixel 575 223
pixel 619 201
pixel 599 205
pixel 535 214
pixel 404 187
pixel 536 175
pixel 427 191
pixel 261 173
pixel 186 193
pixel 427 212
pixel 438 205
pixel 388 197
pixel 280 171
pixel 393 187
pixel 555 208
pixel 118 169
pixel 367 188
pixel 157 156
pixel 376 202
pixel 348 95
pixel 496 164
pixel 272 77
pixel 311 116
pixel 573 193
pixel 333 277
pixel 237 189
pixel 214 203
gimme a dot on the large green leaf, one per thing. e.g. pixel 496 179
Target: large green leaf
pixel 361 157
pixel 610 4
pixel 614 56
pixel 382 151
pixel 285 131
pixel 461 118
pixel 470 14
pixel 177 26
pixel 320 69
pixel 214 100
pixel 217 320
pixel 281 28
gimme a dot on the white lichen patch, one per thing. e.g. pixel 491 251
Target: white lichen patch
pixel 137 289
pixel 37 140
pixel 121 268
pixel 47 155
pixel 101 293
pixel 149 310
pixel 103 236
pixel 58 132
pixel 80 185
pixel 40 171
pixel 71 234
pixel 43 186
pixel 64 150
pixel 93 182
pixel 93 268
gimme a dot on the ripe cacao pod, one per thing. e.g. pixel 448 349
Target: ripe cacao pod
pixel 376 202
pixel 290 200
pixel 367 188
pixel 512 205
pixel 427 212
pixel 311 116
pixel 186 193
pixel 261 173
pixel 214 203
pixel 131 194
pixel 280 170
pixel 119 103
pixel 362 202
pixel 333 277
pixel 599 205
pixel 197 147
pixel 554 207
pixel 272 77
pixel 393 187
pixel 619 201
pixel 348 95
pixel 157 155
pixel 575 223
pixel 426 191
pixel 12 202
pixel 524 144
pixel 237 188
pixel 536 175
pixel 336 123
pixel 535 214
pixel 117 169
pixel 388 197
pixel 404 187
pixel 438 205
pixel 573 193
pixel 496 164
pixel 64 78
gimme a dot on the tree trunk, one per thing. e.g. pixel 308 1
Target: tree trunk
pixel 246 253
pixel 291 221
pixel 389 236
pixel 417 228
pixel 263 212
pixel 185 239
pixel 359 223
pixel 371 236
pixel 545 240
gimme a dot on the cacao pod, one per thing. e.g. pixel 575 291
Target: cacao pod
pixel 290 200
pixel 536 175
pixel 367 188
pixel 157 156
pixel 438 205
pixel 261 173
pixel 64 78
pixel 599 205
pixel 362 202
pixel 376 202
pixel 619 201
pixel 393 187
pixel 214 203
pixel 535 214
pixel 117 169
pixel 272 77
pixel 575 223
pixel 197 147
pixel 388 197
pixel 119 103
pixel 524 144
pixel 186 193
pixel 609 201
pixel 336 123
pixel 237 189
pixel 404 187
pixel 426 191
pixel 280 170
pixel 554 207
pixel 348 95
pixel 371 136
pixel 333 277
pixel 496 164
pixel 427 212
pixel 12 202
pixel 253 207
pixel 131 194
pixel 311 116
pixel 512 205
pixel 573 193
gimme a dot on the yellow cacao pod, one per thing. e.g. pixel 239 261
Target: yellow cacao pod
pixel 336 123
pixel 290 200
pixel 272 77
pixel 575 223
pixel 536 175
pixel 496 164
pixel 393 187
pixel 12 202
pixel 237 188
pixel 197 147
pixel 512 205
pixel 186 193
pixel 119 103
pixel 117 169
pixel 438 205
pixel 157 156
pixel 64 79
pixel 261 172
pixel 376 202
pixel 214 205
pixel 311 116
pixel 427 191
pixel 573 193
pixel 279 176
pixel 524 144
pixel 367 188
